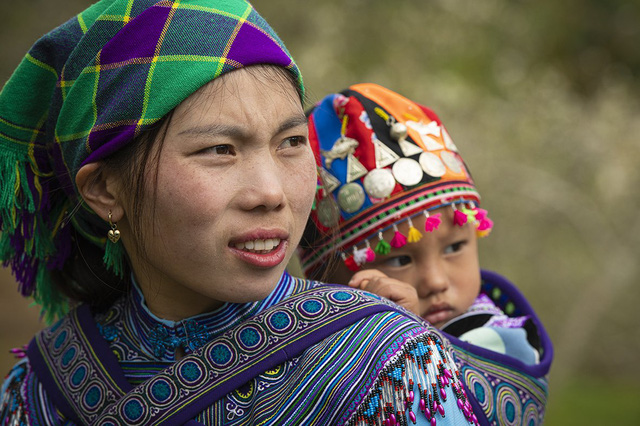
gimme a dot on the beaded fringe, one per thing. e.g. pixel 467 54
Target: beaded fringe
pixel 390 400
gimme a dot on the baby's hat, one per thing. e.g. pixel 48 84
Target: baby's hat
pixel 382 159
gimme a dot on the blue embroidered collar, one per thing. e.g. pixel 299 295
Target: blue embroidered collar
pixel 160 338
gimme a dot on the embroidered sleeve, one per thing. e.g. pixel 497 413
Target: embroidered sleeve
pixel 23 401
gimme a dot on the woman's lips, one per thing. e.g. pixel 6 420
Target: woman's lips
pixel 263 252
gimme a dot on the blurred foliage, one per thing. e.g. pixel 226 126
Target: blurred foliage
pixel 541 97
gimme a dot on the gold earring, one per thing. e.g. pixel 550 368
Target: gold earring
pixel 114 233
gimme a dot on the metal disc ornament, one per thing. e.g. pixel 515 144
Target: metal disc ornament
pixel 451 161
pixel 431 164
pixel 379 183
pixel 407 171
pixel 328 212
pixel 351 197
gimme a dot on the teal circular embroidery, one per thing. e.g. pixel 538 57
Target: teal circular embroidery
pixel 478 391
pixel 161 391
pixel 190 371
pixel 133 410
pixel 280 321
pixel 60 339
pixel 530 416
pixel 250 337
pixel 93 396
pixel 221 354
pixel 510 411
pixel 78 375
pixel 68 356
pixel 342 297
pixel 312 306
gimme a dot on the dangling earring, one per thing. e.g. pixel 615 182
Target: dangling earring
pixel 114 253
pixel 114 233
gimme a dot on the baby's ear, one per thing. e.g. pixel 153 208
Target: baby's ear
pixel 99 189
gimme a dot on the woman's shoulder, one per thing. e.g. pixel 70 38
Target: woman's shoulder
pixel 386 364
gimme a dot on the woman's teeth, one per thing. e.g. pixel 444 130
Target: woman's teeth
pixel 259 246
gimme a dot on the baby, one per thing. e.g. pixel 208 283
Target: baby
pixel 398 209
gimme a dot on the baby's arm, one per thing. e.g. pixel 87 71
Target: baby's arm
pixel 375 281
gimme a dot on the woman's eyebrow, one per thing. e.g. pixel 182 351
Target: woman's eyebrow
pixel 290 123
pixel 237 132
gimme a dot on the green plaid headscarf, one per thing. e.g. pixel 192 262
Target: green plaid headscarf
pixel 84 91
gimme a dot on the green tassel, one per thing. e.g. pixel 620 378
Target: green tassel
pixel 54 304
pixel 382 247
pixel 114 257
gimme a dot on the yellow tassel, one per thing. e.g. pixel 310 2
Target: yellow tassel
pixel 414 235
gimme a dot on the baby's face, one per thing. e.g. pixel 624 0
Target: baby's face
pixel 443 267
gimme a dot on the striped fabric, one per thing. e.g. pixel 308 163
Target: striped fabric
pixel 383 365
pixel 85 90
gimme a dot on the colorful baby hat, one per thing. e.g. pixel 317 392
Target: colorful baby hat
pixel 382 159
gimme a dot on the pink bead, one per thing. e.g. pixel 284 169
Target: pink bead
pixel 448 373
pixel 443 394
pixel 433 421
pixel 441 409
pixel 387 423
pixel 427 413
pixel 411 396
pixel 423 405
pixel 412 417
pixel 392 420
pixel 474 418
pixel 460 404
pixel 445 380
pixel 465 410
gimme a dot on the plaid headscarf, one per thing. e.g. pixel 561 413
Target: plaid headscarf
pixel 382 159
pixel 84 91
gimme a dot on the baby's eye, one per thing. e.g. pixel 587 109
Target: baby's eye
pixel 396 262
pixel 455 247
pixel 293 142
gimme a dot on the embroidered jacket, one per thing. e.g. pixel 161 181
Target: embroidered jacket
pixel 386 367
pixel 504 354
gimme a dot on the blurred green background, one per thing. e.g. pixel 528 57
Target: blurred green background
pixel 542 98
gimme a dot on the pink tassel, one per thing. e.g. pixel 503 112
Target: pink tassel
pixel 433 221
pixel 371 255
pixel 480 213
pixel 459 218
pixel 398 239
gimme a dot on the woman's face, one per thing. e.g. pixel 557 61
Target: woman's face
pixel 236 180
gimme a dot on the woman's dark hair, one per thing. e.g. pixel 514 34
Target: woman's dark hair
pixel 84 278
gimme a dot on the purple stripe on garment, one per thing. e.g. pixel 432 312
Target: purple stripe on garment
pixel 138 38
pixel 252 46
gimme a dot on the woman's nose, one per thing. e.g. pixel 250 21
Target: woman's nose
pixel 262 185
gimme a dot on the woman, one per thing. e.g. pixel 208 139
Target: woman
pixel 158 181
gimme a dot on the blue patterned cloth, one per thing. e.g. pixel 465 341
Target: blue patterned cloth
pixel 370 370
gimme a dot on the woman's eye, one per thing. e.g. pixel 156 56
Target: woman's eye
pixel 220 150
pixel 396 262
pixel 453 248
pixel 293 142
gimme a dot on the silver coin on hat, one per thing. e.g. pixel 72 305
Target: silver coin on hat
pixel 379 183
pixel 328 212
pixel 451 161
pixel 431 164
pixel 407 171
pixel 351 197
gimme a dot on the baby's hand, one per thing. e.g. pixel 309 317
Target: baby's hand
pixel 377 282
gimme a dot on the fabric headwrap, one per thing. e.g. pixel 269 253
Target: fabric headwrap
pixel 382 159
pixel 84 91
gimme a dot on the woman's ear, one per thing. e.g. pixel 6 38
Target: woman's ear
pixel 99 189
